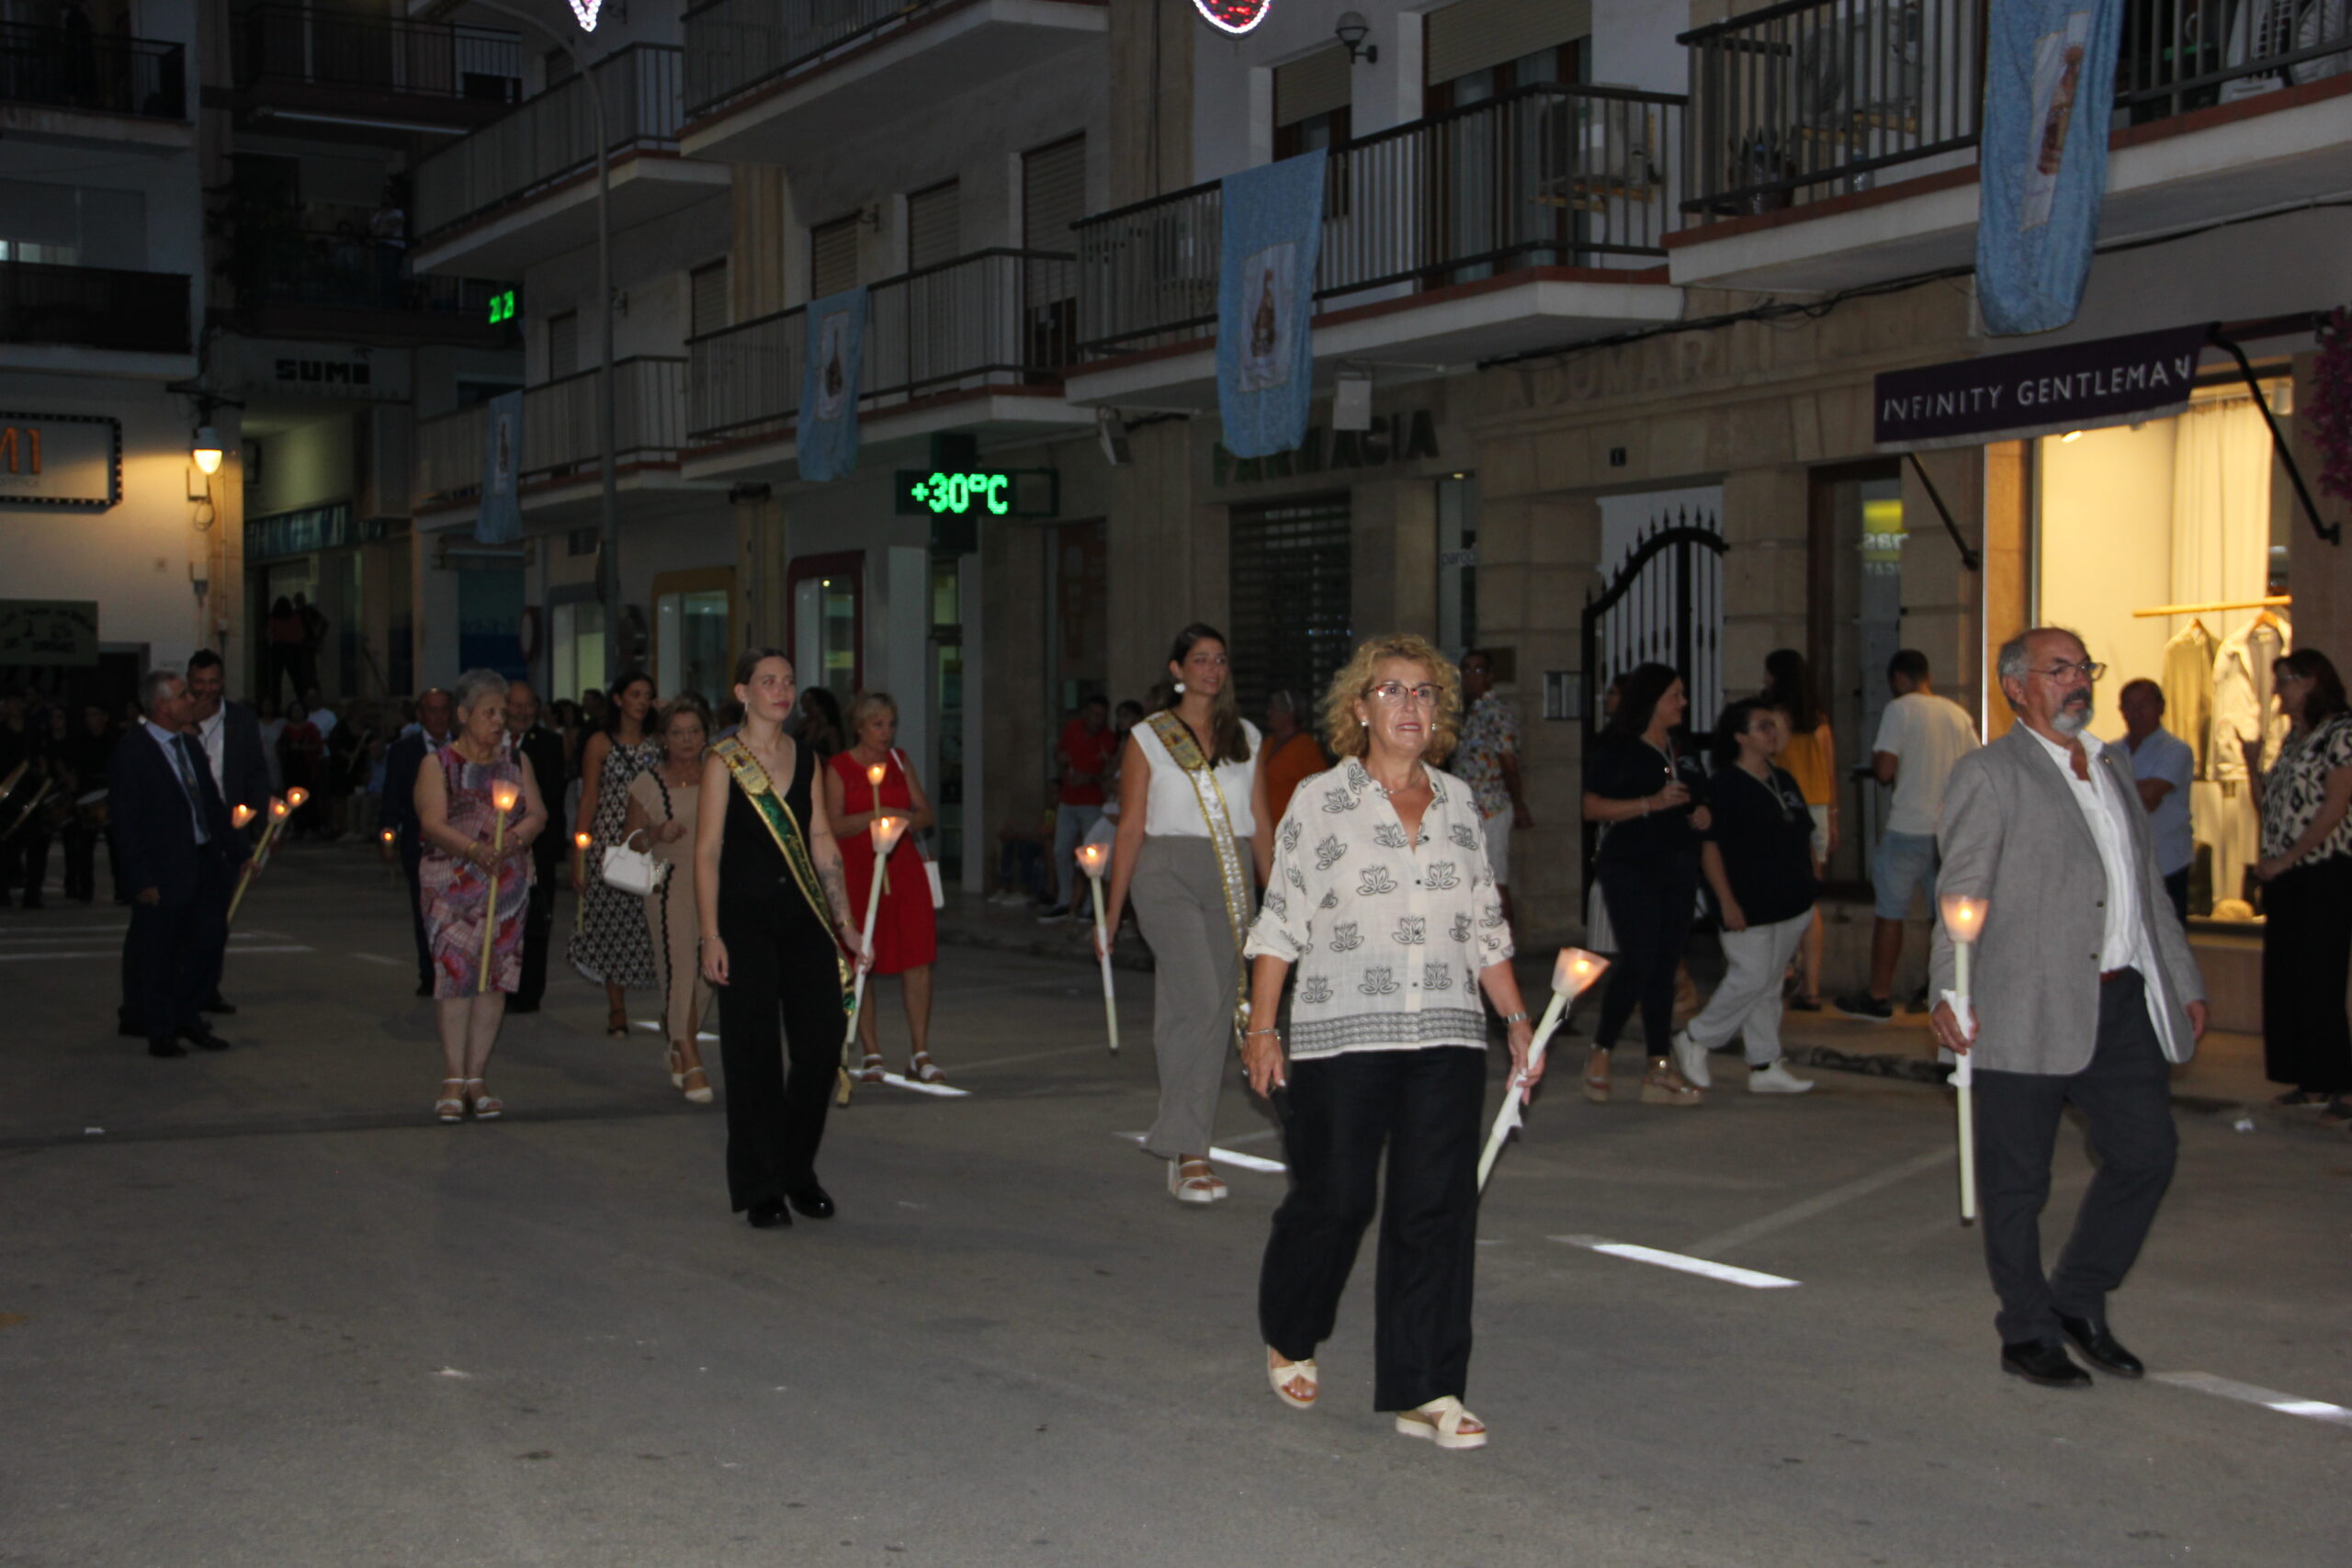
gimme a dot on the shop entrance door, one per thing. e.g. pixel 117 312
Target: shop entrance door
pixel 1291 573
pixel 1854 625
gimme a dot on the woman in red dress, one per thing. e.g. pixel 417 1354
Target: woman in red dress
pixel 906 933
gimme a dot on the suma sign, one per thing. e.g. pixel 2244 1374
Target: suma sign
pixel 2076 386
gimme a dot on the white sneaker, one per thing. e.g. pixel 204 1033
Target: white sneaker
pixel 1776 1079
pixel 1690 1061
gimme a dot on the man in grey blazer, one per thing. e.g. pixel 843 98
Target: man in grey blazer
pixel 2083 992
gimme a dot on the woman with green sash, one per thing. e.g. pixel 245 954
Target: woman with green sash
pixel 776 919
pixel 1194 841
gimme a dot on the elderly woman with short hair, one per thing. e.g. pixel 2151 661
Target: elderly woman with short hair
pixel 458 818
pixel 1384 900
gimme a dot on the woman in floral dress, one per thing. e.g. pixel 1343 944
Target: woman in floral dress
pixel 611 944
pixel 458 815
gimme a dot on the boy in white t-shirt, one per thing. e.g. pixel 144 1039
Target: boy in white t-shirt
pixel 1920 737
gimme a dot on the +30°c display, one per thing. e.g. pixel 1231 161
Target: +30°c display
pixel 958 493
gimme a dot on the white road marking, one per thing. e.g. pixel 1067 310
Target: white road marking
pixel 379 958
pixel 1224 1156
pixel 1676 1260
pixel 1821 1204
pixel 947 1091
pixel 2269 1399
pixel 115 953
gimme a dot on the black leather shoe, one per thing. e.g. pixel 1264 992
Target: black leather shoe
pixel 165 1048
pixel 202 1038
pixel 813 1200
pixel 2039 1362
pixel 767 1215
pixel 2101 1347
pixel 129 1028
pixel 216 1002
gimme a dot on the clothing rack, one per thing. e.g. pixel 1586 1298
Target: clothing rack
pixel 2275 602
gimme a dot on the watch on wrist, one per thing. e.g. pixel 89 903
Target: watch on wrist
pixel 1519 1017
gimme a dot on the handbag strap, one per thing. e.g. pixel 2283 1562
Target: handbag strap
pixel 899 757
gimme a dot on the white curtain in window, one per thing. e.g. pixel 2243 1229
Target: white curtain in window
pixel 2220 505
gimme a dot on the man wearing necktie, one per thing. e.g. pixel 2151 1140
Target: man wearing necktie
pixel 178 856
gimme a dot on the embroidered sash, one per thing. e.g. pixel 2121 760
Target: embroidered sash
pixel 760 791
pixel 1184 749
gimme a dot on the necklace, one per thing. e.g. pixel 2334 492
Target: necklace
pixel 1405 788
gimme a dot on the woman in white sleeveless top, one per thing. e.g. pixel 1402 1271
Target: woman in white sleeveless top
pixel 1194 841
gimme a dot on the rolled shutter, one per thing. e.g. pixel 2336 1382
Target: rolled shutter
pixel 1471 34
pixel 1317 84
pixel 1053 195
pixel 706 305
pixel 832 258
pixel 934 226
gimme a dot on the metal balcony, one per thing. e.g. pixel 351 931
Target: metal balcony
pixel 363 72
pixel 1535 216
pixel 978 341
pixel 523 187
pixel 561 460
pixel 92 306
pixel 85 72
pixel 765 76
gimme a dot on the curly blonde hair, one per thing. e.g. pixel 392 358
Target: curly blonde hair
pixel 1353 684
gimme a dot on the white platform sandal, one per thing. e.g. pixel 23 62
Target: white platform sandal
pixel 1441 1421
pixel 1298 1372
pixel 1197 1187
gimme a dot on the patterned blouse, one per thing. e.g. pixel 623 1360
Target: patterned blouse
pixel 2295 788
pixel 1388 938
pixel 1489 733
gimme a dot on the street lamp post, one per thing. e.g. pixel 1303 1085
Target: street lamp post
pixel 608 526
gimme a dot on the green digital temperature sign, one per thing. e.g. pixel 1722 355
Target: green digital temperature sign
pixel 979 492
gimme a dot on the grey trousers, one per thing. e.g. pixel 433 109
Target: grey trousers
pixel 1178 897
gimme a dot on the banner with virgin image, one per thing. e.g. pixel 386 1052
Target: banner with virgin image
pixel 2049 84
pixel 498 519
pixel 1265 297
pixel 827 435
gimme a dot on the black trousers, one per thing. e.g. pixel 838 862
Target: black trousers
pixel 2306 951
pixel 2176 889
pixel 174 950
pixel 1423 1106
pixel 780 972
pixel 2125 1095
pixel 81 861
pixel 538 930
pixel 1650 906
pixel 413 867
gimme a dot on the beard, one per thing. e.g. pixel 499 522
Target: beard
pixel 2074 716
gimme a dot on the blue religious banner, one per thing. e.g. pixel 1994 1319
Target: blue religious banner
pixel 2049 79
pixel 498 519
pixel 1265 296
pixel 827 437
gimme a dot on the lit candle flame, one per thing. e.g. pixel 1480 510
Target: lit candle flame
pixel 1964 915
pixel 580 841
pixel 886 833
pixel 295 798
pixel 503 795
pixel 277 808
pixel 874 775
pixel 1576 969
pixel 1090 858
pixel 241 815
pixel 387 835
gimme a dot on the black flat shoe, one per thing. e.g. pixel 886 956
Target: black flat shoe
pixel 767 1215
pixel 202 1038
pixel 814 1201
pixel 2042 1363
pixel 216 1002
pixel 2101 1347
pixel 165 1048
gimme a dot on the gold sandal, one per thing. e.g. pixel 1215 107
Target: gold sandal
pixel 1596 1077
pixel 1663 1086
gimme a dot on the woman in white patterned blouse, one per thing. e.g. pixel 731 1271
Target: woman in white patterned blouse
pixel 1383 899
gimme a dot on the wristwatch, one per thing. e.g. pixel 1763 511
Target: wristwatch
pixel 1519 1017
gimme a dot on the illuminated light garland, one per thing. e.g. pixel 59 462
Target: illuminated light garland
pixel 1228 15
pixel 586 11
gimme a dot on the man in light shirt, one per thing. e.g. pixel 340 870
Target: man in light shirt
pixel 1920 736
pixel 2164 765
pixel 2083 993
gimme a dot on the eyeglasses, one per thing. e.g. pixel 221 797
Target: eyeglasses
pixel 2089 670
pixel 1394 693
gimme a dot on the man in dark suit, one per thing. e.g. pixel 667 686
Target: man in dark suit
pixel 406 756
pixel 543 748
pixel 230 737
pixel 179 856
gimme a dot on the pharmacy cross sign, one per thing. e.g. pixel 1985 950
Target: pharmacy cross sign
pixel 586 11
pixel 1233 15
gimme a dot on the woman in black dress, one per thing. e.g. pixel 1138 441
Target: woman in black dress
pixel 1646 788
pixel 775 914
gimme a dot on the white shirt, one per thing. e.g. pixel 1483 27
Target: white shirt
pixel 172 756
pixel 1388 938
pixel 2123 942
pixel 209 732
pixel 1929 734
pixel 1172 810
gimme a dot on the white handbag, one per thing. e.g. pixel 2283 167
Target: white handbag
pixel 930 866
pixel 633 871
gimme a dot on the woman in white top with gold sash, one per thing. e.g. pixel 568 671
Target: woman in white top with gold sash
pixel 1194 841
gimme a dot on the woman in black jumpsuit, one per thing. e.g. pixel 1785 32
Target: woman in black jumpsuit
pixel 771 956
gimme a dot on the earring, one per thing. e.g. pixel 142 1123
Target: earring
pixel 1180 688
pixel 1366 722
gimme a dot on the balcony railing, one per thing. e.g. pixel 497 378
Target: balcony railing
pixel 554 137
pixel 81 69
pixel 1815 98
pixel 561 421
pixel 283 45
pixel 735 44
pixel 92 306
pixel 1544 177
pixel 347 270
pixel 994 317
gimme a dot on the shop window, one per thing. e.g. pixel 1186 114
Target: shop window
pixel 1292 570
pixel 828 597
pixel 1854 625
pixel 692 630
pixel 1457 564
pixel 2165 544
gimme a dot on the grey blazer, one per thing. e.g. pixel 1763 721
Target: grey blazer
pixel 2012 834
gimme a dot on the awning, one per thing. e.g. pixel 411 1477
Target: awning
pixel 2043 391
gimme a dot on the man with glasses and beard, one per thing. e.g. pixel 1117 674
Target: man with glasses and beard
pixel 2085 993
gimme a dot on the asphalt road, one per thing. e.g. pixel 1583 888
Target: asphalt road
pixel 258 1308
